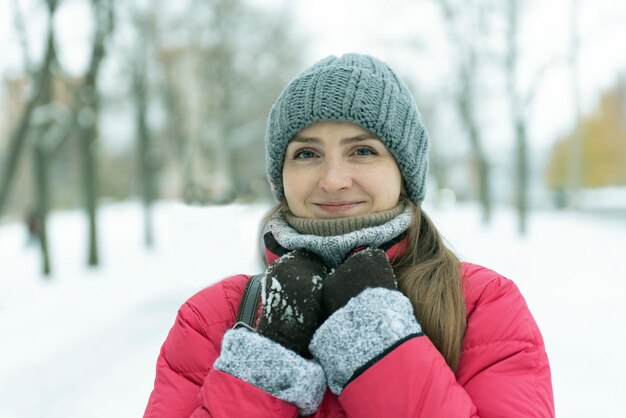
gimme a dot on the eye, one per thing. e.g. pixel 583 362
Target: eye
pixel 303 154
pixel 364 152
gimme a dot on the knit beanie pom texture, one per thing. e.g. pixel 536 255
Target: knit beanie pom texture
pixel 354 88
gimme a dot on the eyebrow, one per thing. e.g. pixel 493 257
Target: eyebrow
pixel 347 140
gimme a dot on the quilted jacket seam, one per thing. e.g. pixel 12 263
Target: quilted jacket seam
pixel 526 342
pixel 204 334
pixel 181 373
pixel 203 324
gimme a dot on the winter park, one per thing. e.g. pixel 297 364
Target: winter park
pixel 134 174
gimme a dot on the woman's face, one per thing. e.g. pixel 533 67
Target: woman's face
pixel 338 169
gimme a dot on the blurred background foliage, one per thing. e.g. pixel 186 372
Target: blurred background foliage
pixel 603 134
pixel 172 98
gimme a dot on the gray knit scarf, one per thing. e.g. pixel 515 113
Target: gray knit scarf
pixel 334 249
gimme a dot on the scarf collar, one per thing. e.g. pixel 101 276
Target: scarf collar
pixel 341 226
pixel 390 236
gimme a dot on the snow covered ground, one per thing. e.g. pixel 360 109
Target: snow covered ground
pixel 84 343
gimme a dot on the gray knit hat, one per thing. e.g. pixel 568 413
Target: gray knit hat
pixel 354 88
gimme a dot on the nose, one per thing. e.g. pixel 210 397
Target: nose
pixel 335 176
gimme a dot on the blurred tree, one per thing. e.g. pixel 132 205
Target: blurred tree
pixel 87 102
pixel 146 155
pixel 520 102
pixel 42 122
pixel 603 135
pixel 466 31
pixel 37 120
pixel 576 151
pixel 518 113
pixel 38 86
pixel 223 63
pixel 212 70
pixel 483 32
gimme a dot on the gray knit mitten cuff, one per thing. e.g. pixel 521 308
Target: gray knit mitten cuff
pixel 363 329
pixel 273 368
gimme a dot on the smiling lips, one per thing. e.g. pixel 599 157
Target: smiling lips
pixel 337 206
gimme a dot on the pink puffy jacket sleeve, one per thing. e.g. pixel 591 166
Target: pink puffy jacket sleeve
pixel 186 385
pixel 503 371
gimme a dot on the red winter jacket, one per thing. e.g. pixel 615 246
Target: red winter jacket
pixel 503 369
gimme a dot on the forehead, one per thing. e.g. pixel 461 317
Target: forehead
pixel 330 126
pixel 332 131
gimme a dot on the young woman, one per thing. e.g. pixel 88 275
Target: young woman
pixel 365 312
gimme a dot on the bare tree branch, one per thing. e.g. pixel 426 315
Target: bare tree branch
pixel 21 34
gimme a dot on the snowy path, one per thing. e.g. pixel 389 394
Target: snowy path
pixel 99 375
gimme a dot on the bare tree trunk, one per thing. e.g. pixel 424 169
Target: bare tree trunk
pixel 146 160
pixel 40 154
pixel 40 99
pixel 18 138
pixel 16 145
pixel 576 151
pixel 87 138
pixel 42 190
pixel 438 167
pixel 518 117
pixel 465 103
pixel 465 99
pixel 522 174
pixel 175 123
pixel 87 116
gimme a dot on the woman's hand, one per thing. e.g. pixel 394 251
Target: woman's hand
pixel 368 268
pixel 366 317
pixel 292 292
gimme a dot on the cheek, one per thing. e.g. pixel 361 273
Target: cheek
pixel 288 184
pixel 386 184
pixel 295 185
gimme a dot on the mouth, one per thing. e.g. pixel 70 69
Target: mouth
pixel 337 207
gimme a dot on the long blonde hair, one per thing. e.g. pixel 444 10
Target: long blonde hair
pixel 429 274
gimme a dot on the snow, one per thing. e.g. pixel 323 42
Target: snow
pixel 84 343
pixel 317 283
